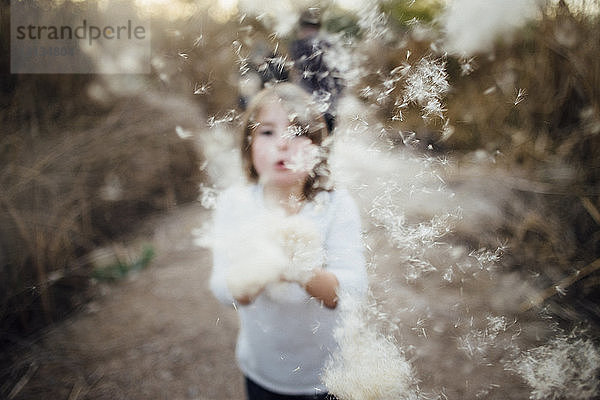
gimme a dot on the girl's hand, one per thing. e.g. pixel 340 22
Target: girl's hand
pixel 244 301
pixel 247 299
pixel 323 286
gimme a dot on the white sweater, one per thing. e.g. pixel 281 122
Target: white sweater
pixel 284 342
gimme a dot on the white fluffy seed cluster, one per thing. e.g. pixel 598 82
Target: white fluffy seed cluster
pixel 473 26
pixel 306 159
pixel 564 368
pixel 367 365
pixel 270 249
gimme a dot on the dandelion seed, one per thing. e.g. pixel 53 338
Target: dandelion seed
pixel 401 70
pixel 566 367
pixel 448 275
pixel 273 36
pixel 112 190
pixel 398 116
pixel 433 108
pixel 183 55
pixel 560 290
pixel 201 89
pixel 425 86
pixel 203 165
pixel 244 67
pixel 390 83
pixel 203 236
pixel 383 96
pixel 373 23
pixel 367 365
pixel 420 327
pixel 322 100
pixel 316 327
pixel 208 197
pixel 199 41
pixel 183 133
pixel 361 120
pixel 489 90
pixel 228 117
pixel 237 46
pixel 466 66
pixel 496 325
pixel 487 259
pixel 521 93
pixel 410 139
pixel 485 392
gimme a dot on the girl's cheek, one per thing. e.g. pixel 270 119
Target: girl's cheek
pixel 259 147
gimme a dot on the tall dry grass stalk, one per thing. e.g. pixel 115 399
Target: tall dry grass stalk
pixel 524 110
pixel 84 157
pixel 66 192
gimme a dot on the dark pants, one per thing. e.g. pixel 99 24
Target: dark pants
pixel 256 392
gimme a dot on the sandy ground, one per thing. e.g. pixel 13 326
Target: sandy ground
pixel 159 334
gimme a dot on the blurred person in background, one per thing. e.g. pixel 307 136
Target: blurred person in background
pixel 311 69
pixel 264 66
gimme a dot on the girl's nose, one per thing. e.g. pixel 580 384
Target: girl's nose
pixel 282 142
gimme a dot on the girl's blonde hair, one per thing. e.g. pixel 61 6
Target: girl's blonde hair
pixel 305 116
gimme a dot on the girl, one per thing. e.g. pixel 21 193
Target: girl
pixel 286 246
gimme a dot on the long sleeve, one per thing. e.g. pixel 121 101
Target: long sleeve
pixel 284 341
pixel 222 223
pixel 344 247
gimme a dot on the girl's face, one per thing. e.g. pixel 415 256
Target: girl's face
pixel 280 156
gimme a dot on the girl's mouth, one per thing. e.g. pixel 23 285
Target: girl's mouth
pixel 281 164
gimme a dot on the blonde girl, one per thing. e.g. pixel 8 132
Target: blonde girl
pixel 287 245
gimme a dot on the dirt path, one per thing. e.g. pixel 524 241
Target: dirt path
pixel 159 334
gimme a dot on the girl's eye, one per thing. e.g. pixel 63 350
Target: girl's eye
pixel 266 132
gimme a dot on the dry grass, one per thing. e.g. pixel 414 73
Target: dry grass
pixel 523 123
pixel 83 158
pixel 534 108
pixel 77 170
pixel 66 192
